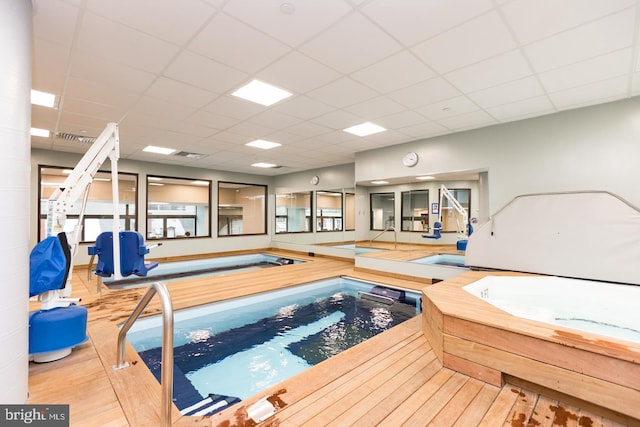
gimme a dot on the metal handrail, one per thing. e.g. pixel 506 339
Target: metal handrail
pixel 167 343
pixel 395 236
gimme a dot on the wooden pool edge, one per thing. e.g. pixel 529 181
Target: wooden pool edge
pixel 473 337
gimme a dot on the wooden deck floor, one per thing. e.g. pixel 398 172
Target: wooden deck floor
pixel 392 379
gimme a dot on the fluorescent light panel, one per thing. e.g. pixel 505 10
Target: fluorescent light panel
pixel 43 98
pixel 158 150
pixel 261 143
pixel 40 132
pixel 365 129
pixel 200 183
pixel 261 93
pixel 379 182
pixel 264 165
pixel 425 177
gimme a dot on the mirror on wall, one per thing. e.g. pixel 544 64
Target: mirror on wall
pixel 396 217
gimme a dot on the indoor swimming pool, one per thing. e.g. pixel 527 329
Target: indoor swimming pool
pixel 450 260
pixel 228 351
pixel 202 267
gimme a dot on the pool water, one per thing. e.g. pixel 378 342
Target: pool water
pixel 450 260
pixel 201 267
pixel 359 249
pixel 235 349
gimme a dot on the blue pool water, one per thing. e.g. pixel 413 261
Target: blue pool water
pixel 234 349
pixel 202 267
pixel 451 260
pixel 359 249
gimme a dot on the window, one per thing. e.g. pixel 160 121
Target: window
pixel 293 212
pixel 452 220
pixel 98 215
pixel 349 212
pixel 242 209
pixel 382 210
pixel 329 211
pixel 178 208
pixel 415 210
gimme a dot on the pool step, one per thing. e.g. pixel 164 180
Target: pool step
pixel 209 405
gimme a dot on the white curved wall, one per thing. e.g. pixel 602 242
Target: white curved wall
pixel 15 122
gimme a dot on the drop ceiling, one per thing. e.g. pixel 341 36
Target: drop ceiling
pixel 165 70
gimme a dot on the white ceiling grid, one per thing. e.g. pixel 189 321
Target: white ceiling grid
pixel 165 70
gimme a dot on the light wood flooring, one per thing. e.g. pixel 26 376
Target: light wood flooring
pixel 393 379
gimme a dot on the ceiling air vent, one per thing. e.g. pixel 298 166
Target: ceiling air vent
pixel 77 138
pixel 189 155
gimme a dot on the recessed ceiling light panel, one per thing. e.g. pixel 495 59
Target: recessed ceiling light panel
pixel 158 150
pixel 40 132
pixel 43 98
pixel 365 129
pixel 261 143
pixel 264 165
pixel 261 93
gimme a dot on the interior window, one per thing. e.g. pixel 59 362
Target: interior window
pixel 329 211
pixel 382 211
pixel 293 212
pixel 178 207
pixel 242 209
pixel 415 210
pixel 98 215
pixel 453 220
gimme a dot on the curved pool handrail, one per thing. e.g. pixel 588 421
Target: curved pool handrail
pixel 167 344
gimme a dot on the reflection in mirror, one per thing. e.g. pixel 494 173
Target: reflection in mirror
pixel 415 210
pixel 177 207
pixel 98 216
pixel 328 211
pixel 242 209
pixel 293 212
pixel 453 220
pixel 382 211
pixel 349 211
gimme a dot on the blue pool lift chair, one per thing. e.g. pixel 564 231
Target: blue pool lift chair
pixel 59 325
pixel 132 252
pixel 437 230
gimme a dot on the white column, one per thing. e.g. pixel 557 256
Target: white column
pixel 15 122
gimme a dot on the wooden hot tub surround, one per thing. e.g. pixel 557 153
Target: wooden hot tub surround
pixel 471 336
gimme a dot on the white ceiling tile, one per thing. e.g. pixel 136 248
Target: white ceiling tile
pixel 118 43
pixel 340 47
pixel 308 129
pixel 608 89
pixel 230 106
pixel 375 107
pixel 102 94
pixel 59 30
pixel 107 73
pixel 424 130
pixel 400 120
pixel 491 72
pixel 192 128
pixel 405 68
pixel 49 66
pixel 533 20
pixel 275 119
pixel 338 120
pixel 591 70
pixel 205 73
pixel 180 93
pixel 236 44
pixel 303 107
pixel 298 73
pixel 342 92
pixel 473 41
pixel 105 112
pixel 468 120
pixel 151 16
pixel 526 107
pixel 212 120
pixel 251 130
pixel 412 21
pixel 587 41
pixel 450 107
pixel 308 19
pixel 508 92
pixel 425 93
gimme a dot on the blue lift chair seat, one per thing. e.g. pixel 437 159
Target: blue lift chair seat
pixel 132 252
pixel 55 331
pixel 437 230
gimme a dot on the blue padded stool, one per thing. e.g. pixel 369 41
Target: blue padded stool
pixel 52 333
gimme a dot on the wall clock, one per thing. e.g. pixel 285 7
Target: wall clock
pixel 314 180
pixel 410 159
